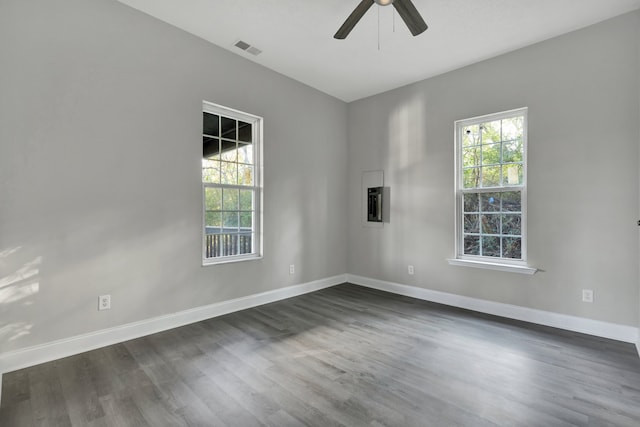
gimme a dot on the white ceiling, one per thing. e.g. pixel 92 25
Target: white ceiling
pixel 296 36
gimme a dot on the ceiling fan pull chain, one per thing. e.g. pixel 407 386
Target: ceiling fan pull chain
pixel 378 27
pixel 394 19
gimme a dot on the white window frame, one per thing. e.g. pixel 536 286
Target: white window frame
pixel 487 262
pixel 257 187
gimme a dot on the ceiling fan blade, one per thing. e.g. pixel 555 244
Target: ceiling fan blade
pixel 353 19
pixel 410 16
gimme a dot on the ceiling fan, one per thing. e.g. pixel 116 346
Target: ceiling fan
pixel 405 9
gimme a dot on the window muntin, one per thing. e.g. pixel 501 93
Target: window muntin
pixel 491 187
pixel 231 184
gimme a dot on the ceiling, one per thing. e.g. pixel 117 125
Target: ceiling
pixel 296 36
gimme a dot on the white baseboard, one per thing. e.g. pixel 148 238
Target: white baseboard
pixel 31 356
pixel 562 321
pixel 35 355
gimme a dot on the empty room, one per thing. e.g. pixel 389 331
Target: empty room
pixel 319 213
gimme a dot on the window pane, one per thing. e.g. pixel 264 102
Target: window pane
pixel 228 173
pixel 513 174
pixel 231 244
pixel 230 221
pixel 245 243
pixel 210 171
pixel 491 154
pixel 245 132
pixel 511 224
pixel 512 151
pixel 213 222
pixel 229 151
pixel 490 202
pixel 511 201
pixel 210 124
pixel 470 135
pixel 210 148
pixel 230 199
pixel 472 245
pixel 471 178
pixel 246 220
pixel 512 247
pixel 471 203
pixel 245 153
pixel 490 246
pixel 471 156
pixel 491 132
pixel 491 176
pixel 472 223
pixel 512 128
pixel 213 199
pixel 490 224
pixel 246 200
pixel 245 175
pixel 228 128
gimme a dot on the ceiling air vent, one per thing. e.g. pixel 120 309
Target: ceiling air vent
pixel 248 48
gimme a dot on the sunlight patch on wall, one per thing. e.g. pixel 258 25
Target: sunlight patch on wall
pixel 14 331
pixel 5 253
pixel 22 283
pixel 406 136
pixel 15 293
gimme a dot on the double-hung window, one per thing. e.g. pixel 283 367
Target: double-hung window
pixel 491 188
pixel 231 184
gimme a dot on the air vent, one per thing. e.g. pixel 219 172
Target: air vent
pixel 242 45
pixel 247 48
pixel 254 50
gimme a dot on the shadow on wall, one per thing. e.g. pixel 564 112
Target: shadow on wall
pixel 19 286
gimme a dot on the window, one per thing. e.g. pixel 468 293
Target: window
pixel 491 188
pixel 231 184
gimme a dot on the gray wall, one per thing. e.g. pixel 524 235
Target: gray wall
pixel 100 147
pixel 582 91
pixel 99 171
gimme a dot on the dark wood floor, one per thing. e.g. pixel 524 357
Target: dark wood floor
pixel 344 356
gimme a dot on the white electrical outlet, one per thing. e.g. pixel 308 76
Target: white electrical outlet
pixel 292 268
pixel 104 302
pixel 587 295
pixel 410 270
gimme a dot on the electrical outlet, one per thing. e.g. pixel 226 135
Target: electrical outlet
pixel 104 302
pixel 410 270
pixel 587 295
pixel 292 268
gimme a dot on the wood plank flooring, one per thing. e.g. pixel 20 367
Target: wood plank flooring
pixel 343 356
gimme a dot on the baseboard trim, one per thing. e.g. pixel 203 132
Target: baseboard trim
pixel 54 350
pixel 562 321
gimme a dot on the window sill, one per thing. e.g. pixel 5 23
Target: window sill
pixel 210 261
pixel 511 268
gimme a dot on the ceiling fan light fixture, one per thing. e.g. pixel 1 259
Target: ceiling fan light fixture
pixel 383 2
